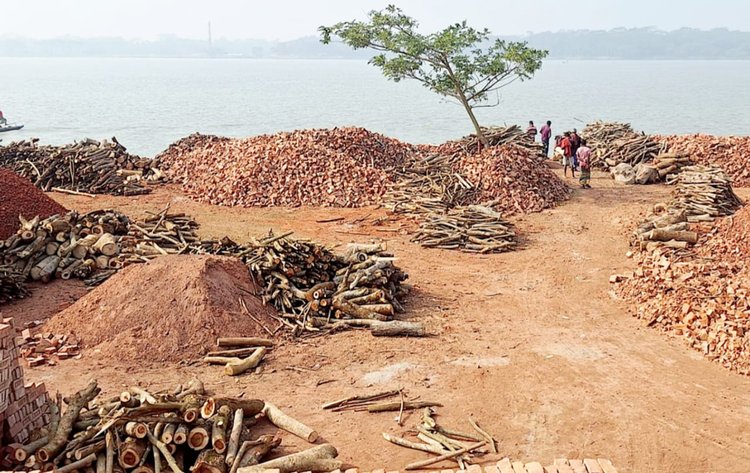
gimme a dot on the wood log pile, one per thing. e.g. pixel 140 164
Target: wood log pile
pixel 88 166
pixel 342 167
pixel 500 135
pixel 701 295
pixel 732 153
pixel 179 431
pixel 159 234
pixel 615 143
pixel 12 284
pixel 473 229
pixel 65 246
pixel 701 194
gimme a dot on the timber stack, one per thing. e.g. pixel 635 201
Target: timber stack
pixel 88 167
pixel 500 135
pixel 702 194
pixel 473 229
pixel 160 234
pixel 65 246
pixel 617 143
pixel 731 153
pixel 699 295
pixel 341 167
pixel 179 431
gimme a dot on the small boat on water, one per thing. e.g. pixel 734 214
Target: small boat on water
pixel 10 127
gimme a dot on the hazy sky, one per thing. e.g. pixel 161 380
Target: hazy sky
pixel 288 19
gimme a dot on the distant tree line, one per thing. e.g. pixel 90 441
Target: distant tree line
pixel 619 43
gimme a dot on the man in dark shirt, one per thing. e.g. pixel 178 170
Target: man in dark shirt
pixel 546 133
pixel 575 142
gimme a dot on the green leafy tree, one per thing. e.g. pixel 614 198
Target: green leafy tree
pixel 458 61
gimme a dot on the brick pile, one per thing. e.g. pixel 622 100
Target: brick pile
pixel 23 407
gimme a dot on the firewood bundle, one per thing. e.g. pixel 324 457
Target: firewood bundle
pixel 12 284
pixel 315 290
pixel 66 246
pixel 500 135
pixel 705 193
pixel 180 431
pixel 731 153
pixel 341 167
pixel 160 234
pixel 616 143
pixel 87 166
pixel 429 185
pixel 474 229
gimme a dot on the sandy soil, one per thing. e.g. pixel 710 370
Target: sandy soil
pixel 532 343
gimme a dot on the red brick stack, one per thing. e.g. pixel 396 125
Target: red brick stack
pixel 23 407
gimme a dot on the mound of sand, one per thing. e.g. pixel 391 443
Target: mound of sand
pixel 18 196
pixel 170 309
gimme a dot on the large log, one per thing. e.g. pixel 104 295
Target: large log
pixel 320 458
pixel 244 342
pixel 236 368
pixel 291 425
pixel 60 437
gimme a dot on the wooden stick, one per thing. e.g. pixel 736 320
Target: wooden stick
pixel 244 342
pixel 59 438
pixel 484 434
pixel 307 460
pixel 446 456
pixel 110 459
pixel 165 452
pixel 233 369
pixel 234 437
pixel 414 445
pixel 101 463
pixel 219 429
pixel 236 352
pixel 395 406
pixel 68 191
pixel 221 360
pixel 77 464
pixel 241 453
pixel 284 422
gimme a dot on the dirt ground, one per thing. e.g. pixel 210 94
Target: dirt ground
pixel 531 343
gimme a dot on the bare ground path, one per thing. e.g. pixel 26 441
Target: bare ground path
pixel 531 343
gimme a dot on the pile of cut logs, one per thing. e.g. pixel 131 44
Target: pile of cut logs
pixel 66 246
pixel 315 290
pixel 615 143
pixel 85 167
pixel 731 153
pixel 474 229
pixel 185 430
pixel 701 195
pixel 12 284
pixel 160 234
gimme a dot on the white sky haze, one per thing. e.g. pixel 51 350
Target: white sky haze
pixel 289 19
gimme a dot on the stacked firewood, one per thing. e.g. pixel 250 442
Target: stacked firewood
pixel 702 194
pixel 499 135
pixel 160 234
pixel 474 229
pixel 65 246
pixel 315 290
pixel 180 431
pixel 617 143
pixel 12 284
pixel 88 166
pixel 732 153
pixel 705 192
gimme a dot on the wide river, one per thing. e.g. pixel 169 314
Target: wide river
pixel 149 103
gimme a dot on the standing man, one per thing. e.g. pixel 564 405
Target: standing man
pixel 584 160
pixel 3 121
pixel 567 155
pixel 546 133
pixel 531 131
pixel 575 142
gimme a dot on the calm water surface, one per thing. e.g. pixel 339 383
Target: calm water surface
pixel 149 103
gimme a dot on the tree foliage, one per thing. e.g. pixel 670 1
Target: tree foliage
pixel 458 62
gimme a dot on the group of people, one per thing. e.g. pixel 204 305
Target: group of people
pixel 570 148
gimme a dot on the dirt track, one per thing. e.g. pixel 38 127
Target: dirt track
pixel 531 343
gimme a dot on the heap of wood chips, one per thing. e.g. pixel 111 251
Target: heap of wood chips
pixel 87 166
pixel 732 153
pixel 184 430
pixel 342 167
pixel 614 143
pixel 701 295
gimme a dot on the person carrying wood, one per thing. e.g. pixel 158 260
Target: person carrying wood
pixel 584 160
